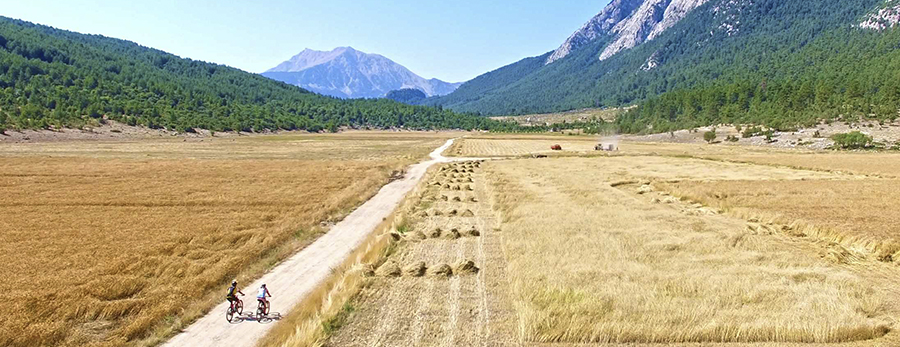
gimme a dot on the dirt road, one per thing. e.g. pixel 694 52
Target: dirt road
pixel 291 280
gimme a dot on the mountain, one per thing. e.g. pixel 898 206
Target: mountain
pixel 347 73
pixel 697 62
pixel 57 78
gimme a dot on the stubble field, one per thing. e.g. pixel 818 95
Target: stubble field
pixel 656 244
pixel 118 243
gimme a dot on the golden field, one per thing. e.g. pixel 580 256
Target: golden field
pixel 488 145
pixel 117 243
pixel 589 262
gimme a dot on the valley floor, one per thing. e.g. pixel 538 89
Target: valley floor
pixel 633 249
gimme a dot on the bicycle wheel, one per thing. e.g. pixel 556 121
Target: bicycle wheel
pixel 268 306
pixel 229 314
pixel 240 307
pixel 260 310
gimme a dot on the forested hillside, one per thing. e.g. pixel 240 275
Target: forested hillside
pixel 57 78
pixel 773 62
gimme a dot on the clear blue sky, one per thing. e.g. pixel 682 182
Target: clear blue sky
pixel 450 40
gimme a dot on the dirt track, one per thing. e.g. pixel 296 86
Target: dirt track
pixel 291 280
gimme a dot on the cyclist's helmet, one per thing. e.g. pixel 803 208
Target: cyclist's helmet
pixel 264 285
pixel 234 283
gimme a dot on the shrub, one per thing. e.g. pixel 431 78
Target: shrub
pixel 709 136
pixel 732 138
pixel 751 132
pixel 852 140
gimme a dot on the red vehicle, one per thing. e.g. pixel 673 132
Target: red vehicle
pixel 556 147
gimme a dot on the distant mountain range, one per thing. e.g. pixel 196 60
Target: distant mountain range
pixel 348 73
pixel 699 62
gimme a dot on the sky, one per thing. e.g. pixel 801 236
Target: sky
pixel 450 40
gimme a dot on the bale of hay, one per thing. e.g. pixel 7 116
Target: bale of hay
pixel 444 197
pixel 452 235
pixel 416 236
pixel 470 188
pixel 437 213
pixel 468 213
pixel 465 267
pixel 414 270
pixel 473 199
pixel 473 232
pixel 388 269
pixel 456 187
pixel 457 199
pixel 435 233
pixel 441 270
pixel 453 213
pixel 424 214
pixel 447 186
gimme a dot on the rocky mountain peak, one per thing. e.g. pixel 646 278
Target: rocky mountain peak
pixel 627 23
pixel 348 73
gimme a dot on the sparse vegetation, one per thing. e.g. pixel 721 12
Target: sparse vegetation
pixel 709 136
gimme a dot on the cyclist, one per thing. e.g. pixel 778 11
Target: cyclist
pixel 231 290
pixel 263 294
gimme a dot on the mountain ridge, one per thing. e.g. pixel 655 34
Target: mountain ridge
pixel 348 73
pixel 722 50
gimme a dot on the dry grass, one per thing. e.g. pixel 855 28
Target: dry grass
pixel 118 243
pixel 592 263
pixel 510 146
pixel 868 163
pixel 859 214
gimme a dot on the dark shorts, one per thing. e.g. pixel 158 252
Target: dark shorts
pixel 231 298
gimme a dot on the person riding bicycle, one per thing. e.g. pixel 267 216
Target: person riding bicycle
pixel 263 294
pixel 231 290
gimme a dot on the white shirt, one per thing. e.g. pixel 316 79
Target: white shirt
pixel 262 292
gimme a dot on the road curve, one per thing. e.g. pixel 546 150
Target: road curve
pixel 300 274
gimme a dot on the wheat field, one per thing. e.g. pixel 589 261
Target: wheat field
pixel 591 263
pixel 120 243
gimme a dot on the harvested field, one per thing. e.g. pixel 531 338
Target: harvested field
pixel 592 263
pixel 860 214
pixel 866 163
pixel 510 146
pixel 676 245
pixel 462 299
pixel 128 240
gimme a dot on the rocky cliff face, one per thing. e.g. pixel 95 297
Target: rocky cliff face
pixel 883 18
pixel 348 73
pixel 627 23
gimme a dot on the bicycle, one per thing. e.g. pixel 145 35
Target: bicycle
pixel 236 306
pixel 262 308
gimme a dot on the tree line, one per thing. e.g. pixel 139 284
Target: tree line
pixel 51 78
